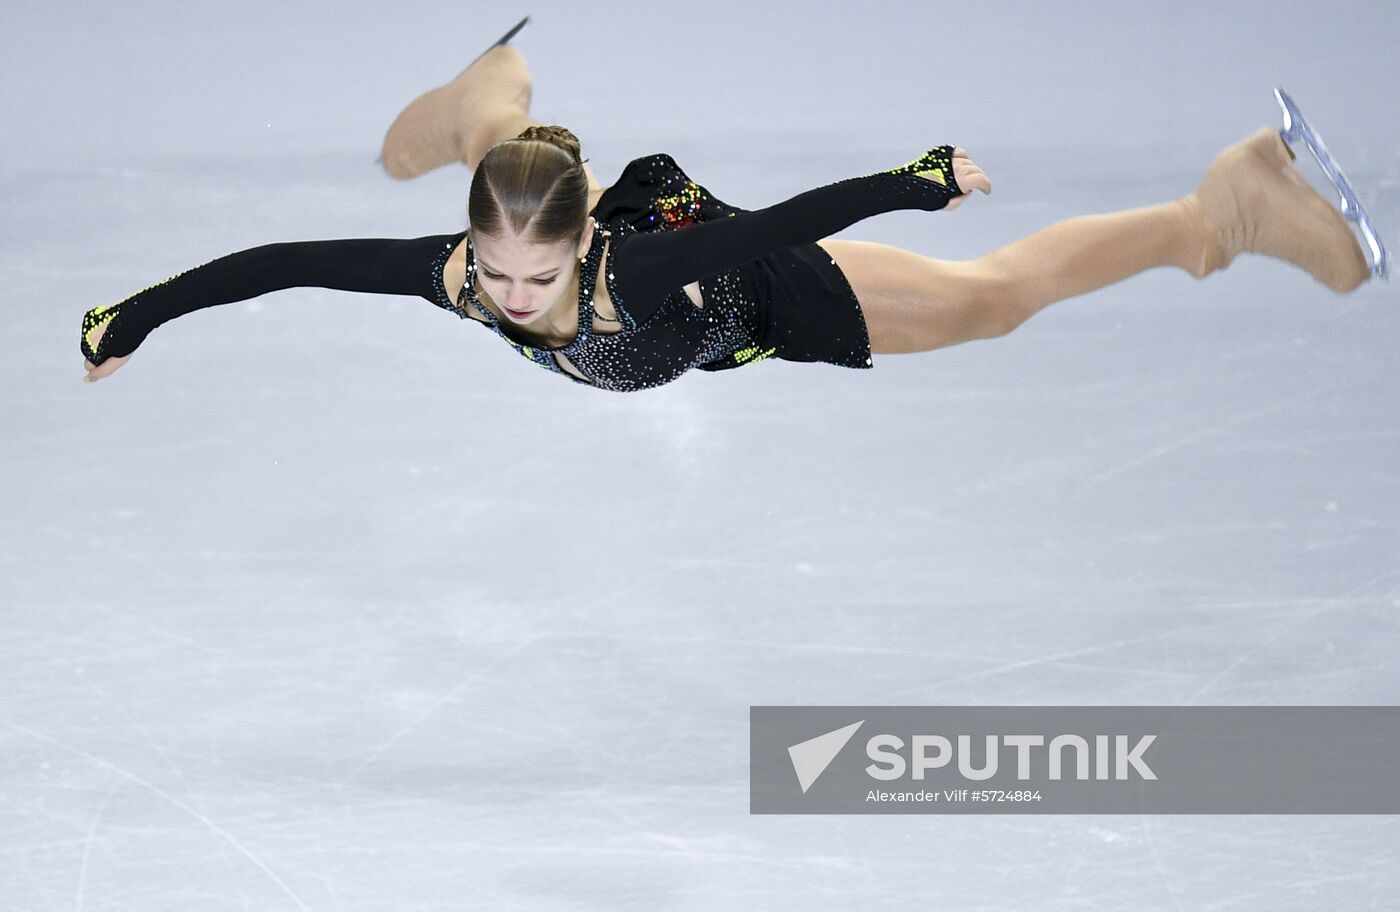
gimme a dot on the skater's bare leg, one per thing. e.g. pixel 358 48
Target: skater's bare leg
pixel 914 303
pixel 1252 199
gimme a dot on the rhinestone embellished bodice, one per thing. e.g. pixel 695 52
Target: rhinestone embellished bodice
pixel 674 337
pixel 767 287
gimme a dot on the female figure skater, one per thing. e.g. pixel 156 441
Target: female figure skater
pixel 629 286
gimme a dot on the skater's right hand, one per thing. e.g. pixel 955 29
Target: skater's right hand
pixel 968 176
pixel 97 372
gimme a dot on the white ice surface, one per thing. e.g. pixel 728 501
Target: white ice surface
pixel 330 602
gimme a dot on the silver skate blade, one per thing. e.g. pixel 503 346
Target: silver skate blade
pixel 1297 129
pixel 504 39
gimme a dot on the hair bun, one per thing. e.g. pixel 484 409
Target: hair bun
pixel 556 135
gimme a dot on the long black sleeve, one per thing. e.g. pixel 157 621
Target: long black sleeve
pixel 372 265
pixel 650 266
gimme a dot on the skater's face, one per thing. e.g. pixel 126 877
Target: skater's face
pixel 526 279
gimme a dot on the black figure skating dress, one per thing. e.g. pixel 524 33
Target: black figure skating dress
pixel 768 289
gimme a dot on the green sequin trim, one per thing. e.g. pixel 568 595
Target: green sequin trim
pixel 935 164
pixel 752 354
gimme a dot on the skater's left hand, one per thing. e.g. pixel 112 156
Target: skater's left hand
pixel 97 372
pixel 969 177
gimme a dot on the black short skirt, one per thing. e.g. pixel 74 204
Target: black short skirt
pixel 810 312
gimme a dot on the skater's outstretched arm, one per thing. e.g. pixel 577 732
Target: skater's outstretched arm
pixel 378 266
pixel 650 266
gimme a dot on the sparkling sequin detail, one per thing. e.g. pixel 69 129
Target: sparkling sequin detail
pixel 936 164
pixel 752 354
pixel 682 208
pixel 106 315
pixel 93 321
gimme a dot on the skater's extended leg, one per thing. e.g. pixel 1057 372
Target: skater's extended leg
pixel 1252 199
pixel 913 303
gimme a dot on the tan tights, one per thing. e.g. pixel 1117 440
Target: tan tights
pixel 913 303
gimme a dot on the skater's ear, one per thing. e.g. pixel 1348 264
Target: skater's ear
pixel 586 241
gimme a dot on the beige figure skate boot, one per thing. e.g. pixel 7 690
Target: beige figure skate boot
pixel 1254 199
pixel 433 130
